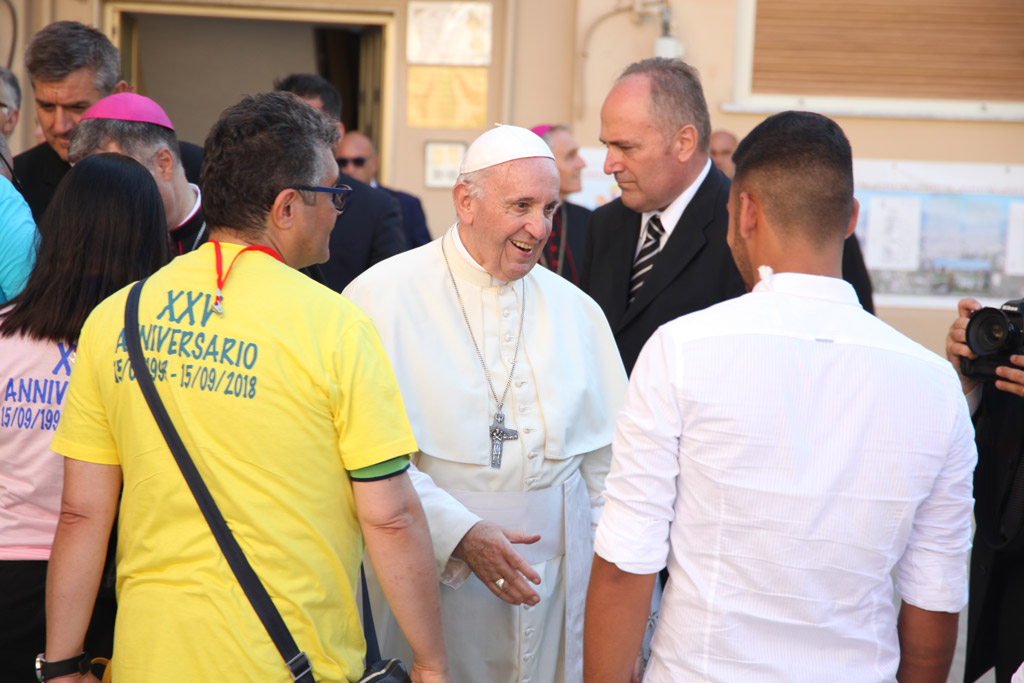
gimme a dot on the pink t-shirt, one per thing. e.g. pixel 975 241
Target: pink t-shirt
pixel 33 384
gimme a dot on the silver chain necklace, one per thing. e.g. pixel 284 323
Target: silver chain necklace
pixel 498 432
pixel 202 230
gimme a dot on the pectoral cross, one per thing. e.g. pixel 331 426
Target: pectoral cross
pixel 499 434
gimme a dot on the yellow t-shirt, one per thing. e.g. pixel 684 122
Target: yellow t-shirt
pixel 275 400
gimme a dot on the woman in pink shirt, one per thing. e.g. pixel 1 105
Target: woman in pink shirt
pixel 104 229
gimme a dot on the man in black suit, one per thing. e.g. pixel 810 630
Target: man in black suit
pixel 71 66
pixel 370 230
pixel 646 272
pixel 995 611
pixel 563 252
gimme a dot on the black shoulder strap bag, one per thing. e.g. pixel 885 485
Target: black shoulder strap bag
pixel 379 670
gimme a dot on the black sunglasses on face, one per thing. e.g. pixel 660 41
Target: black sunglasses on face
pixel 358 162
pixel 339 194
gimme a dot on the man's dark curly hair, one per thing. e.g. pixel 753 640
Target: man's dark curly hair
pixel 260 146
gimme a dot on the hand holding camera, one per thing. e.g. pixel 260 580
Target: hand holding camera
pixel 987 345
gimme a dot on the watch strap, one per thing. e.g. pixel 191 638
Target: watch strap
pixel 79 664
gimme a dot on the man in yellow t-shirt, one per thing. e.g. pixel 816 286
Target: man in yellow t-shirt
pixel 286 402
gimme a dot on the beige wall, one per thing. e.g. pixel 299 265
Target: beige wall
pixel 534 77
pixel 707 28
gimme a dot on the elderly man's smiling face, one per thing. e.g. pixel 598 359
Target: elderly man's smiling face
pixel 505 228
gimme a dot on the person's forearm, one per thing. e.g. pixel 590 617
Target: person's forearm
pixel 72 581
pixel 618 604
pixel 402 558
pixel 927 641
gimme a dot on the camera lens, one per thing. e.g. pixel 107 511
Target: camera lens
pixel 988 331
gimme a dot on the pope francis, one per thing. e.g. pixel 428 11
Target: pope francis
pixel 511 380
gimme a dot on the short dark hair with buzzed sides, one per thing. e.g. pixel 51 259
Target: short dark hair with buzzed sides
pixel 259 147
pixel 800 166
pixel 63 47
pixel 677 97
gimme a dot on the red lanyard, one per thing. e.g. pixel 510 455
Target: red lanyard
pixel 222 275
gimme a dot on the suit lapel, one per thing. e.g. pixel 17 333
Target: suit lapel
pixel 686 240
pixel 623 236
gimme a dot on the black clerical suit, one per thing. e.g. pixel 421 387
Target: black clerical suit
pixel 41 169
pixel 563 252
pixel 693 270
pixel 995 613
pixel 856 273
pixel 370 230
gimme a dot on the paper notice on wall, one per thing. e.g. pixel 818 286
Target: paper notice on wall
pixel 1015 240
pixel 447 97
pixel 894 233
pixel 453 33
pixel 443 160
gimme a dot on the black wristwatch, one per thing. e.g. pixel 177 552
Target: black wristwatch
pixel 79 664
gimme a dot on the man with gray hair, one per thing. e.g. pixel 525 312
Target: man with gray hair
pixel 659 251
pixel 513 427
pixel 563 252
pixel 138 127
pixel 10 101
pixel 72 66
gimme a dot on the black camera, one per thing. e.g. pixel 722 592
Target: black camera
pixel 993 334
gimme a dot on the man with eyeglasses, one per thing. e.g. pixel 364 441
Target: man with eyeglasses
pixel 10 101
pixel 72 66
pixel 357 156
pixel 289 409
pixel 371 229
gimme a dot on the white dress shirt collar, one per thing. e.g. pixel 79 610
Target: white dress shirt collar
pixel 195 206
pixel 805 285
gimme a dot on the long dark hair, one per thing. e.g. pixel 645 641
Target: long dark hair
pixel 104 229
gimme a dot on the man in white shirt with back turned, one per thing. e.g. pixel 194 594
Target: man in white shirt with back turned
pixel 783 453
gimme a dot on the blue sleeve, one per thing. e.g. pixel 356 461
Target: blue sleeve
pixel 18 238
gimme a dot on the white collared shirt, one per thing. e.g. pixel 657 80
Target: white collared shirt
pixel 673 212
pixel 195 206
pixel 784 451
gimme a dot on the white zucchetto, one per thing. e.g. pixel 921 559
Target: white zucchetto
pixel 501 144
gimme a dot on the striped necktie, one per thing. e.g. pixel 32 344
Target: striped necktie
pixel 645 259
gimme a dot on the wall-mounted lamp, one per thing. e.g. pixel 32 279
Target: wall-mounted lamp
pixel 665 46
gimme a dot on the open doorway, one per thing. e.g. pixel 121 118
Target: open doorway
pixel 350 58
pixel 196 61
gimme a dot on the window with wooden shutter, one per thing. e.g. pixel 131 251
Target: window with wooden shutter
pixel 936 58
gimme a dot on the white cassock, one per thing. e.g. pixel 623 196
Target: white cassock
pixel 567 387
